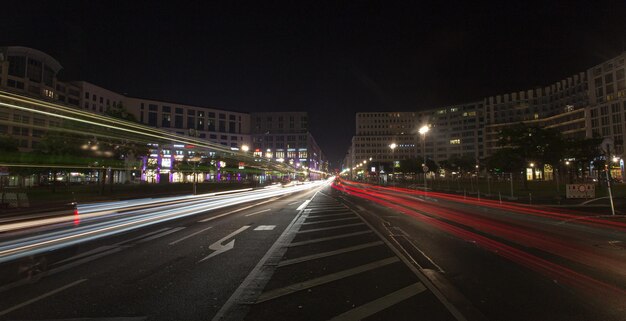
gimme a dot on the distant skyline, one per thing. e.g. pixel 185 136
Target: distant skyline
pixel 331 59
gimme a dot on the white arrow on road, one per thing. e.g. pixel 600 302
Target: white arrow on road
pixel 219 248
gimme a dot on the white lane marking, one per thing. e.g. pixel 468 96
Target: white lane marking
pixel 293 203
pixel 265 227
pixel 303 206
pixel 333 220
pixel 276 293
pixel 219 248
pixel 153 237
pixel 324 239
pixel 190 235
pixel 237 210
pixel 43 296
pixel 142 236
pixel 380 304
pixel 259 212
pixel 330 228
pixel 330 215
pixel 329 253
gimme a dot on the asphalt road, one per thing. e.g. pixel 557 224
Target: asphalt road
pixel 331 253
pixel 508 262
pixel 164 271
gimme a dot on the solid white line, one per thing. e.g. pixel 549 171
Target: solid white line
pixel 293 203
pixel 237 210
pixel 333 220
pixel 303 206
pixel 276 293
pixel 330 228
pixel 43 296
pixel 190 235
pixel 330 215
pixel 329 253
pixel 259 212
pixel 323 239
pixel 380 304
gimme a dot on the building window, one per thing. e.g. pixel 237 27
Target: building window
pixel 178 121
pixel 191 122
pixel 152 119
pixel 455 141
pixel 166 121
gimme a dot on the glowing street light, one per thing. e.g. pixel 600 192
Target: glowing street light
pixel 423 130
pixel 393 165
pixel 245 148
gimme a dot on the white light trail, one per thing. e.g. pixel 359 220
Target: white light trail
pixel 104 219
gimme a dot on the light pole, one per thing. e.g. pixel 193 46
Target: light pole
pixel 423 130
pixel 393 165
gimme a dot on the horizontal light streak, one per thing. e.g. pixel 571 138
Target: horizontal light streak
pixel 137 214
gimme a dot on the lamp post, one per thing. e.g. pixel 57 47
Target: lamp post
pixel 423 130
pixel 393 165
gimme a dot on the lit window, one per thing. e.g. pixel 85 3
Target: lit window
pixel 48 93
pixel 455 141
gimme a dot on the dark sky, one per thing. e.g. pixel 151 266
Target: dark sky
pixel 331 59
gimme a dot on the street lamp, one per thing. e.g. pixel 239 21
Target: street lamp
pixel 393 166
pixel 423 130
pixel 245 148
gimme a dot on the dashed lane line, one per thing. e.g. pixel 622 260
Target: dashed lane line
pixel 329 253
pixel 329 238
pixel 380 304
pixel 330 228
pixel 43 296
pixel 259 212
pixel 190 235
pixel 237 210
pixel 276 293
pixel 153 237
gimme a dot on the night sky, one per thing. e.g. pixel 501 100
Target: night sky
pixel 331 59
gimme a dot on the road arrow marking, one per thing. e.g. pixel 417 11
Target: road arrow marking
pixel 220 248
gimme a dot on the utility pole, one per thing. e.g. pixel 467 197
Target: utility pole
pixel 607 168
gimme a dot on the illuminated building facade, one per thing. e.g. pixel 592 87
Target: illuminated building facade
pixel 285 137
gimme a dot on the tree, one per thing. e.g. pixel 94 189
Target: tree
pixel 584 151
pixel 119 111
pixel 8 144
pixel 506 160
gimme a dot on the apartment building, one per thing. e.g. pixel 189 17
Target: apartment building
pixel 586 104
pixel 228 128
pixel 285 137
pixel 561 105
pixel 607 97
pixel 30 72
pixel 454 131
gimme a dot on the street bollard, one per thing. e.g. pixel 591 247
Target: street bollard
pixel 500 197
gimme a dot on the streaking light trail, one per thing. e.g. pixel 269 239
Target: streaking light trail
pixel 94 221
